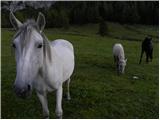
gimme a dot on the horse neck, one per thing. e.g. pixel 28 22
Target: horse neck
pixel 48 55
pixel 121 57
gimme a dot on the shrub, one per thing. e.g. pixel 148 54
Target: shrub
pixel 103 30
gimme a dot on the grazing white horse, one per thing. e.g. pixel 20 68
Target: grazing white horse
pixel 41 64
pixel 119 58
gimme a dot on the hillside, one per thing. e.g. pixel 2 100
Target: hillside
pixel 123 32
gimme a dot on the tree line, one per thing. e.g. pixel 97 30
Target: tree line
pixel 64 13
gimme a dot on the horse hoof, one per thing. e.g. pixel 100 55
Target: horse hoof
pixel 68 98
pixel 59 117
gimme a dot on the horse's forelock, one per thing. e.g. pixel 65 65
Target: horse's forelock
pixel 25 32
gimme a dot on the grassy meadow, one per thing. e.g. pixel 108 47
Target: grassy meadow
pixel 96 89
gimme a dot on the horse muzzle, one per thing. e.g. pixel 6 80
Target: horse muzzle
pixel 24 92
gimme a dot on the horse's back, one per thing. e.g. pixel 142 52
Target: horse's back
pixel 63 43
pixel 118 49
pixel 65 53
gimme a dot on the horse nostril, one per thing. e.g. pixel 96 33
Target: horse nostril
pixel 22 91
pixel 29 87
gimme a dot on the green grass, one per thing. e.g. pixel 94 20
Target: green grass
pixel 96 90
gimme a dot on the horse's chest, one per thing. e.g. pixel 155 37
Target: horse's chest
pixel 50 80
pixel 45 85
pixel 54 77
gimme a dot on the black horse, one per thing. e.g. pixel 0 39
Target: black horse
pixel 147 47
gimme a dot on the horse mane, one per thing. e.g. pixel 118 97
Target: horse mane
pixel 25 32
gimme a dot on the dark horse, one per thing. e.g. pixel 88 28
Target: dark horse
pixel 147 47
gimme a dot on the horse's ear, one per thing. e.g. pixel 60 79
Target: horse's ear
pixel 41 21
pixel 14 21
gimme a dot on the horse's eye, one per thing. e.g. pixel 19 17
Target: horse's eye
pixel 13 45
pixel 39 46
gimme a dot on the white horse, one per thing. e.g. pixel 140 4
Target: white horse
pixel 119 57
pixel 41 64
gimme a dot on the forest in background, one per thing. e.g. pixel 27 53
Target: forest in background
pixel 66 13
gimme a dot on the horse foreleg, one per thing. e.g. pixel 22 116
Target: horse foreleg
pixel 147 57
pixel 151 55
pixel 114 57
pixel 59 111
pixel 43 100
pixel 117 68
pixel 68 91
pixel 141 56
